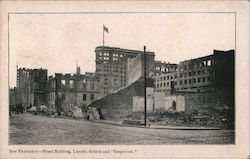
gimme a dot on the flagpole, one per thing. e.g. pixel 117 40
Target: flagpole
pixel 103 35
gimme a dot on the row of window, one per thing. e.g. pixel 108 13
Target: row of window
pixel 114 70
pixel 162 85
pixel 84 97
pixel 71 83
pixel 181 82
pixel 195 80
pixel 194 73
pixel 183 88
pixel 106 58
pixel 196 65
pixel 107 54
pixel 165 69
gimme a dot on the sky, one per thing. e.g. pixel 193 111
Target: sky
pixel 58 41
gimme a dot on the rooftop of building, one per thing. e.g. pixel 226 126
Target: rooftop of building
pixel 121 50
pixel 74 75
pixel 165 63
pixel 31 69
pixel 208 56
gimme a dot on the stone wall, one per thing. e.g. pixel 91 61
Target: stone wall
pixel 113 104
pixel 121 102
pixel 159 100
pixel 138 101
pixel 208 101
pixel 179 100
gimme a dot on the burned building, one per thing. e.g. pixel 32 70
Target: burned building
pixel 215 71
pixel 112 66
pixel 195 74
pixel 205 73
pixel 23 86
pixel 165 76
pixel 37 87
pixel 162 67
pixel 66 91
pixel 31 87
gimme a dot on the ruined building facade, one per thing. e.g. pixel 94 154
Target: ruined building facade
pixel 215 71
pixel 30 87
pixel 165 73
pixel 66 91
pixel 38 90
pixel 23 86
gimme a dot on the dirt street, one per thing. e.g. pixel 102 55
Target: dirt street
pixel 31 129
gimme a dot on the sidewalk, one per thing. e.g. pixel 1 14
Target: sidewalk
pixel 155 126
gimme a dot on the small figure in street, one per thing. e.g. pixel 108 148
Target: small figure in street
pixel 87 111
pixel 174 105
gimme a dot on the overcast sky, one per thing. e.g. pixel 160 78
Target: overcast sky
pixel 55 41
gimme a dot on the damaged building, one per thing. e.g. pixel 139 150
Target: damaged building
pixel 198 83
pixel 30 88
pixel 165 75
pixel 200 74
pixel 65 91
pixel 117 86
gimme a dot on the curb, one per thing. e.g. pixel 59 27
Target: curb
pixel 167 128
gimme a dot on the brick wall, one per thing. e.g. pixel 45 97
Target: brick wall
pixel 208 101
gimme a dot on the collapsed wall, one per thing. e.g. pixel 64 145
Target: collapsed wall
pixel 120 102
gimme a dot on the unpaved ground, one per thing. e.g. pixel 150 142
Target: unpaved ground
pixel 33 129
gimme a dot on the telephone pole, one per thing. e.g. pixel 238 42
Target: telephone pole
pixel 145 88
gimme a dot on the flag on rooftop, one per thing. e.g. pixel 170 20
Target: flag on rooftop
pixel 105 29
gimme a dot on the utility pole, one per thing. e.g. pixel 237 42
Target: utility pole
pixel 56 95
pixel 145 88
pixel 103 35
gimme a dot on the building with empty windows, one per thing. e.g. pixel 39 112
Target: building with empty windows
pixel 165 76
pixel 37 87
pixel 112 66
pixel 162 67
pixel 201 74
pixel 31 87
pixel 23 86
pixel 66 91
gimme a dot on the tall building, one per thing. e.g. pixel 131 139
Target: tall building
pixel 112 66
pixel 31 87
pixel 66 91
pixel 215 71
pixel 22 87
pixel 37 87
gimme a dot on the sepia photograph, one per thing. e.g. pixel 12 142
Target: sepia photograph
pixel 122 78
pixel 87 79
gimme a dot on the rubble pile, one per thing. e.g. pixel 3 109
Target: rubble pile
pixel 212 117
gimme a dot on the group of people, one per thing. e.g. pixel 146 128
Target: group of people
pixel 17 108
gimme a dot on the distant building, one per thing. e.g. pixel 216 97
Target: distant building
pixel 112 66
pixel 165 76
pixel 67 91
pixel 22 86
pixel 164 67
pixel 37 87
pixel 205 73
pixel 215 71
pixel 31 87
